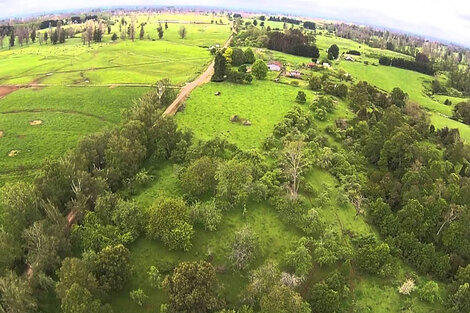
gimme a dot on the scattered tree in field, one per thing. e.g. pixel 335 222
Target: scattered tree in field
pixel 295 161
pixel 193 287
pixel 12 38
pixel 169 222
pixel 46 37
pixel 160 31
pixel 259 69
pixel 234 179
pixel 166 25
pixel 299 259
pixel 219 68
pixel 109 29
pixel 114 37
pixel 333 52
pixel 138 296
pixel 462 112
pixel 154 276
pixel 315 83
pixel 244 248
pixel 33 35
pixel 207 214
pixel 182 32
pixel 398 97
pixel 142 32
pixel 301 97
pixel 199 177
pixel 282 299
pixel 131 30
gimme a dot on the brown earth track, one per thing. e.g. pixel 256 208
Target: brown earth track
pixel 204 78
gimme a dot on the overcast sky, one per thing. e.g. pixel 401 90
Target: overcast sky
pixel 445 19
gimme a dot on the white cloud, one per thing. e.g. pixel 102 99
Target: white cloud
pixel 448 20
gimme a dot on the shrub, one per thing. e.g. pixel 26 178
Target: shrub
pixel 259 69
pixel 301 97
pixel 206 214
pixel 315 83
pixel 138 296
pixel 429 292
pixel 244 248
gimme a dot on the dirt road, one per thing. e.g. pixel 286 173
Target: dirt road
pixel 186 90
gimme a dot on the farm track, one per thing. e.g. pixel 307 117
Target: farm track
pixel 204 78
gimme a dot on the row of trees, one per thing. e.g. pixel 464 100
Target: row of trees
pixel 293 42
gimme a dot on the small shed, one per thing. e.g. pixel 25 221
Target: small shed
pixel 274 66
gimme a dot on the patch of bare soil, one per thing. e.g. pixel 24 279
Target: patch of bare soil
pixel 1 133
pixel 35 122
pixel 6 90
pixel 112 86
pixel 13 153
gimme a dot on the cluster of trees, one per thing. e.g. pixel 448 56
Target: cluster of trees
pixel 416 190
pixel 292 41
pixel 460 79
pixel 83 183
pixel 285 19
pixel 419 65
pixel 237 57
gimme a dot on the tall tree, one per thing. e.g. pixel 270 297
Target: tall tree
pixel 142 32
pixel 295 161
pixel 192 288
pixel 220 66
pixel 182 32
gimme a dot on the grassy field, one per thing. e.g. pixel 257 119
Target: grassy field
pixel 66 113
pixel 263 103
pixel 82 88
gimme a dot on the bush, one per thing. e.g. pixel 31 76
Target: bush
pixel 315 83
pixel 238 57
pixel 249 56
pixel 244 248
pixel 301 97
pixel 169 221
pixel 353 52
pixel 429 292
pixel 206 214
pixel 259 69
pixel 138 296
pixel 242 69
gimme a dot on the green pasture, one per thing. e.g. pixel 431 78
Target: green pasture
pixel 263 103
pixel 67 113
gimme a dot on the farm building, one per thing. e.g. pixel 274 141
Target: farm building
pixel 349 58
pixel 311 65
pixel 326 65
pixel 274 66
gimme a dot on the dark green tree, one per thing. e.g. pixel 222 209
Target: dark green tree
pixel 219 68
pixel 192 288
